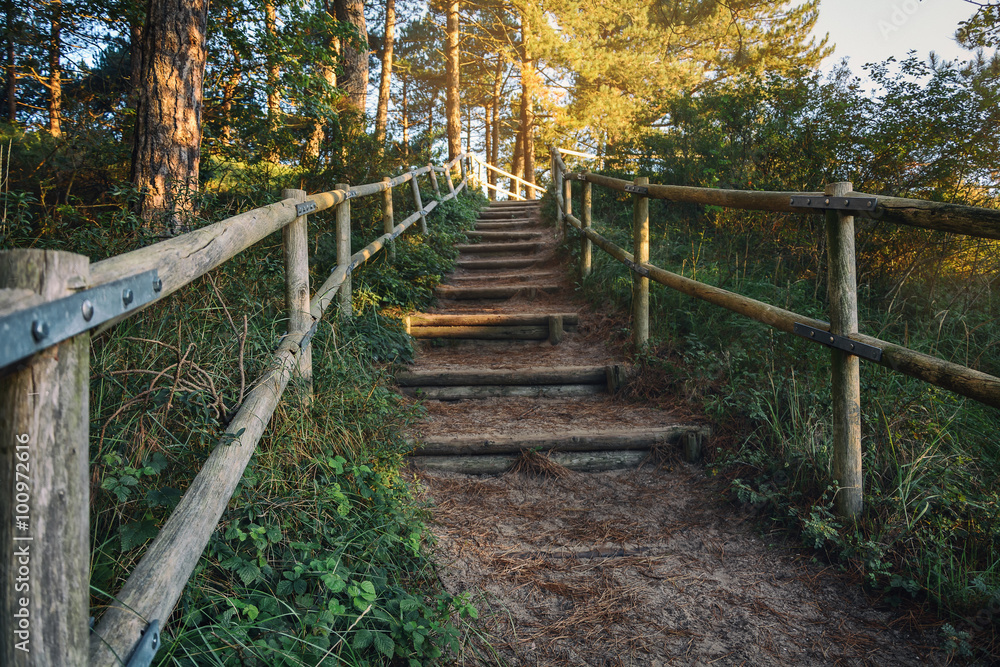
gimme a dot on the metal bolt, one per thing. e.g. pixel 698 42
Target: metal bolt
pixel 809 201
pixel 870 202
pixel 812 334
pixel 87 308
pixel 826 201
pixel 127 296
pixel 157 285
pixel 847 202
pixel 852 346
pixel 831 339
pixel 39 330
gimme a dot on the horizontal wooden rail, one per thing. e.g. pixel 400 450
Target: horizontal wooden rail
pixel 960 379
pixel 505 173
pixel 505 192
pixel 588 156
pixel 155 585
pixel 956 218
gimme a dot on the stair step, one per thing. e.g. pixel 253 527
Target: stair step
pixel 497 292
pixel 446 320
pixel 496 277
pixel 458 393
pixel 510 224
pixel 511 235
pixel 566 441
pixel 507 215
pixel 553 375
pixel 494 264
pixel 515 202
pixel 485 332
pixel 525 246
pixel 498 464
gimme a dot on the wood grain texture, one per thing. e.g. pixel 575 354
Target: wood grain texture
pixel 845 368
pixel 503 376
pixel 568 441
pixel 44 404
pixel 295 247
pixel 640 251
pixel 344 250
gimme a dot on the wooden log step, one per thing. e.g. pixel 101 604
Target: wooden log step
pixel 505 235
pixel 515 332
pixel 494 264
pixel 515 203
pixel 445 320
pixel 498 292
pixel 507 215
pixel 499 464
pixel 568 441
pixel 496 277
pixel 504 391
pixel 496 226
pixel 498 248
pixel 503 376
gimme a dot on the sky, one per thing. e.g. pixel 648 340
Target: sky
pixel 873 30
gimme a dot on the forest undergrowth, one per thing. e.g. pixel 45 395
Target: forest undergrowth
pixel 322 556
pixel 929 537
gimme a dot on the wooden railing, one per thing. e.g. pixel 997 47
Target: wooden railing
pixel 531 189
pixel 44 418
pixel 838 203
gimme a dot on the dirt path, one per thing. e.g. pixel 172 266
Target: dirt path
pixel 638 566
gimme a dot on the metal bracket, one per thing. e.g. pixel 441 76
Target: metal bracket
pixel 304 343
pixel 638 189
pixel 840 342
pixel 835 203
pixel 304 208
pixel 147 647
pixel 641 270
pixel 34 329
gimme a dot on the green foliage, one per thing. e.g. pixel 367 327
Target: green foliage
pixel 323 551
pixel 931 459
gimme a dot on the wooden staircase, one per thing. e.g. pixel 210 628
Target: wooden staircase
pixel 505 366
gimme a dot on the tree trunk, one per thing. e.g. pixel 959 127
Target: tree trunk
pixel 273 73
pixel 382 115
pixel 355 60
pixel 229 90
pixel 328 70
pixel 430 116
pixel 527 105
pixel 494 157
pixel 167 148
pixel 11 65
pixel 453 82
pixel 517 161
pixel 55 69
pixel 406 120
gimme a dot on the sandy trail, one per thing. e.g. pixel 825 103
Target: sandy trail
pixel 648 566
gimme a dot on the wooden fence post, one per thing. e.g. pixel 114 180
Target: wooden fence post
pixel 45 478
pixel 295 241
pixel 462 171
pixel 843 295
pixel 419 202
pixel 640 254
pixel 568 202
pixel 451 184
pixel 434 181
pixel 388 222
pixel 585 244
pixel 557 180
pixel 344 249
